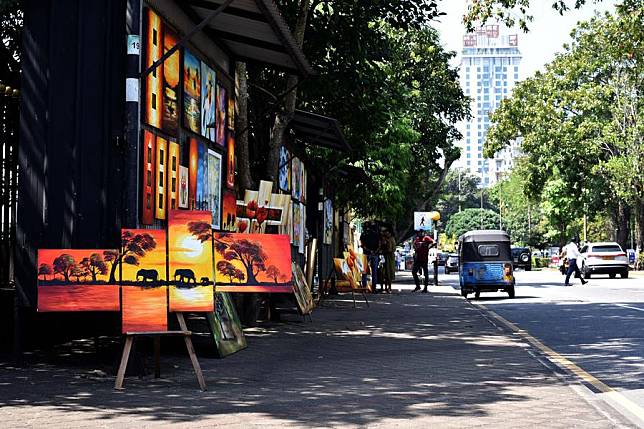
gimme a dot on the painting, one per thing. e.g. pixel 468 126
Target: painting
pixel 225 326
pixel 170 98
pixel 172 188
pixel 230 116
pixel 77 280
pixel 304 182
pixel 221 115
pixel 149 168
pixel 193 163
pixel 229 211
pixel 285 170
pixel 302 291
pixel 343 271
pixel 142 259
pixel 252 263
pixel 208 102
pixel 190 261
pixel 183 187
pixel 298 232
pixel 191 92
pixel 296 179
pixel 328 221
pixel 201 197
pixel 153 31
pixel 230 161
pixel 214 187
pixel 161 157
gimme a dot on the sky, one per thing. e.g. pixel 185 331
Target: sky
pixel 548 32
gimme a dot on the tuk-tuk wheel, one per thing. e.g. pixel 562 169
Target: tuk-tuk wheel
pixel 477 294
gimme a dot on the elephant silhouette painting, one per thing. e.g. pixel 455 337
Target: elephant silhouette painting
pixel 183 275
pixel 147 275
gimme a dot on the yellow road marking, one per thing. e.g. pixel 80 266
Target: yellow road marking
pixel 558 359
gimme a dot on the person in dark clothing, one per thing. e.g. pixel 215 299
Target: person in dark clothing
pixel 422 244
pixel 370 241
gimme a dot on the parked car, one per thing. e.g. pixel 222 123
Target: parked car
pixel 451 266
pixel 521 258
pixel 603 258
pixel 442 258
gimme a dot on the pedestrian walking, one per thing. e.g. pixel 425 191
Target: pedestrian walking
pixel 572 253
pixel 422 243
pixel 387 247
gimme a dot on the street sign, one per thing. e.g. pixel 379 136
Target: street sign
pixel 423 221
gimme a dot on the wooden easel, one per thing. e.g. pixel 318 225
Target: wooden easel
pixel 184 332
pixel 333 276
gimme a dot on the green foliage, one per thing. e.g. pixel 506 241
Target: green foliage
pixel 459 191
pixel 471 219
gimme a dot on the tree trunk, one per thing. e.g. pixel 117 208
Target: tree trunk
pixel 620 219
pixel 244 178
pixel 639 225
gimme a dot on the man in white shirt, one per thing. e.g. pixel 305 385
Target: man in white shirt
pixel 572 252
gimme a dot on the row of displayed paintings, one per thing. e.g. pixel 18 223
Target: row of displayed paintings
pixel 206 108
pixel 292 175
pixel 169 185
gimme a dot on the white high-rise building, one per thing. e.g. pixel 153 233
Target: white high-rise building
pixel 490 62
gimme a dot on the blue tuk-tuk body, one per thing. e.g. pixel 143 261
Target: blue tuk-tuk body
pixel 485 262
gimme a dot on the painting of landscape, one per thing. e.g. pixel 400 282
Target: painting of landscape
pixel 253 263
pixel 225 326
pixel 77 280
pixel 229 211
pixel 191 277
pixel 145 309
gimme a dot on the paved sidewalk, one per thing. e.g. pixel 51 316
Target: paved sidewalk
pixel 410 360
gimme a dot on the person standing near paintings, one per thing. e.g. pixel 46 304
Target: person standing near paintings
pixel 388 247
pixel 422 244
pixel 370 242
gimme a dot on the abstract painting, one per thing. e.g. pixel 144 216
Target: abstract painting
pixel 143 279
pixel 296 179
pixel 208 102
pixel 171 69
pixel 183 187
pixel 230 120
pixel 214 187
pixel 221 115
pixel 153 81
pixel 190 260
pixel 149 168
pixel 285 170
pixel 191 92
pixel 253 263
pixel 201 197
pixel 229 211
pixel 161 158
pixel 172 188
pixel 328 221
pixel 343 271
pixel 77 280
pixel 225 326
pixel 302 291
pixel 230 162
pixel 193 163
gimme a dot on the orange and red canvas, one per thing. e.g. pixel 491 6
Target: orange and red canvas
pixel 170 99
pixel 144 309
pixel 193 165
pixel 161 170
pixel 149 167
pixel 253 263
pixel 77 280
pixel 230 162
pixel 229 211
pixel 172 188
pixel 191 276
pixel 154 80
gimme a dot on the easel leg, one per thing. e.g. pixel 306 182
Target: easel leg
pixel 365 298
pixel 124 358
pixel 191 353
pixel 353 295
pixel 157 357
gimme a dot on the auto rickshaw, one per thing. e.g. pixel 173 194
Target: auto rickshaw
pixel 485 262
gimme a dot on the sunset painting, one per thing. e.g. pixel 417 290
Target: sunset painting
pixel 229 211
pixel 225 326
pixel 77 280
pixel 230 163
pixel 171 68
pixel 191 277
pixel 144 309
pixel 153 43
pixel 253 263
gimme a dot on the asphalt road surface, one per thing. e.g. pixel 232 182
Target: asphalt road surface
pixel 599 326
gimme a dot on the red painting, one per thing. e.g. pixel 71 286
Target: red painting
pixel 154 80
pixel 144 309
pixel 230 163
pixel 193 164
pixel 171 67
pixel 77 280
pixel 229 212
pixel 253 263
pixel 149 167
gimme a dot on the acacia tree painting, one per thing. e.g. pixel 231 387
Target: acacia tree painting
pixel 63 265
pixel 133 247
pixel 94 265
pixel 273 272
pixel 249 253
pixel 45 270
pixel 201 230
pixel 229 270
pixel 78 271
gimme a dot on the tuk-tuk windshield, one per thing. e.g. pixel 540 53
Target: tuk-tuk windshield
pixel 478 252
pixel 486 250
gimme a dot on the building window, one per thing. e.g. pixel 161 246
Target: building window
pixel 469 155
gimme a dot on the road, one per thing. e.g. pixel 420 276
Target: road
pixel 598 327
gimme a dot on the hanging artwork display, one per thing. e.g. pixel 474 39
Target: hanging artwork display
pixel 328 221
pixel 230 161
pixel 229 211
pixel 193 164
pixel 298 233
pixel 201 201
pixel 77 280
pixel 285 170
pixel 170 98
pixel 173 176
pixel 214 187
pixel 191 92
pixel 183 187
pixel 253 263
pixel 230 116
pixel 296 178
pixel 161 158
pixel 153 81
pixel 190 260
pixel 142 261
pixel 208 102
pixel 149 171
pixel 225 326
pixel 302 291
pixel 222 105
pixel 303 181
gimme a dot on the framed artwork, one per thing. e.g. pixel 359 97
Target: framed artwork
pixel 225 326
pixel 149 171
pixel 183 187
pixel 191 276
pixel 304 183
pixel 328 221
pixel 143 270
pixel 230 161
pixel 201 198
pixel 343 271
pixel 172 188
pixel 170 98
pixel 191 92
pixel 153 81
pixel 214 187
pixel 162 158
pixel 253 263
pixel 296 178
pixel 285 170
pixel 229 212
pixel 221 115
pixel 77 280
pixel 302 291
pixel 230 117
pixel 298 230
pixel 208 102
pixel 193 163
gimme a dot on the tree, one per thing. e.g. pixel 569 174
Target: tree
pixel 78 271
pixel 249 253
pixel 63 265
pixel 471 219
pixel 459 191
pixel 45 270
pixel 273 272
pixel 201 230
pixel 11 20
pixel 133 247
pixel 229 270
pixel 94 265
